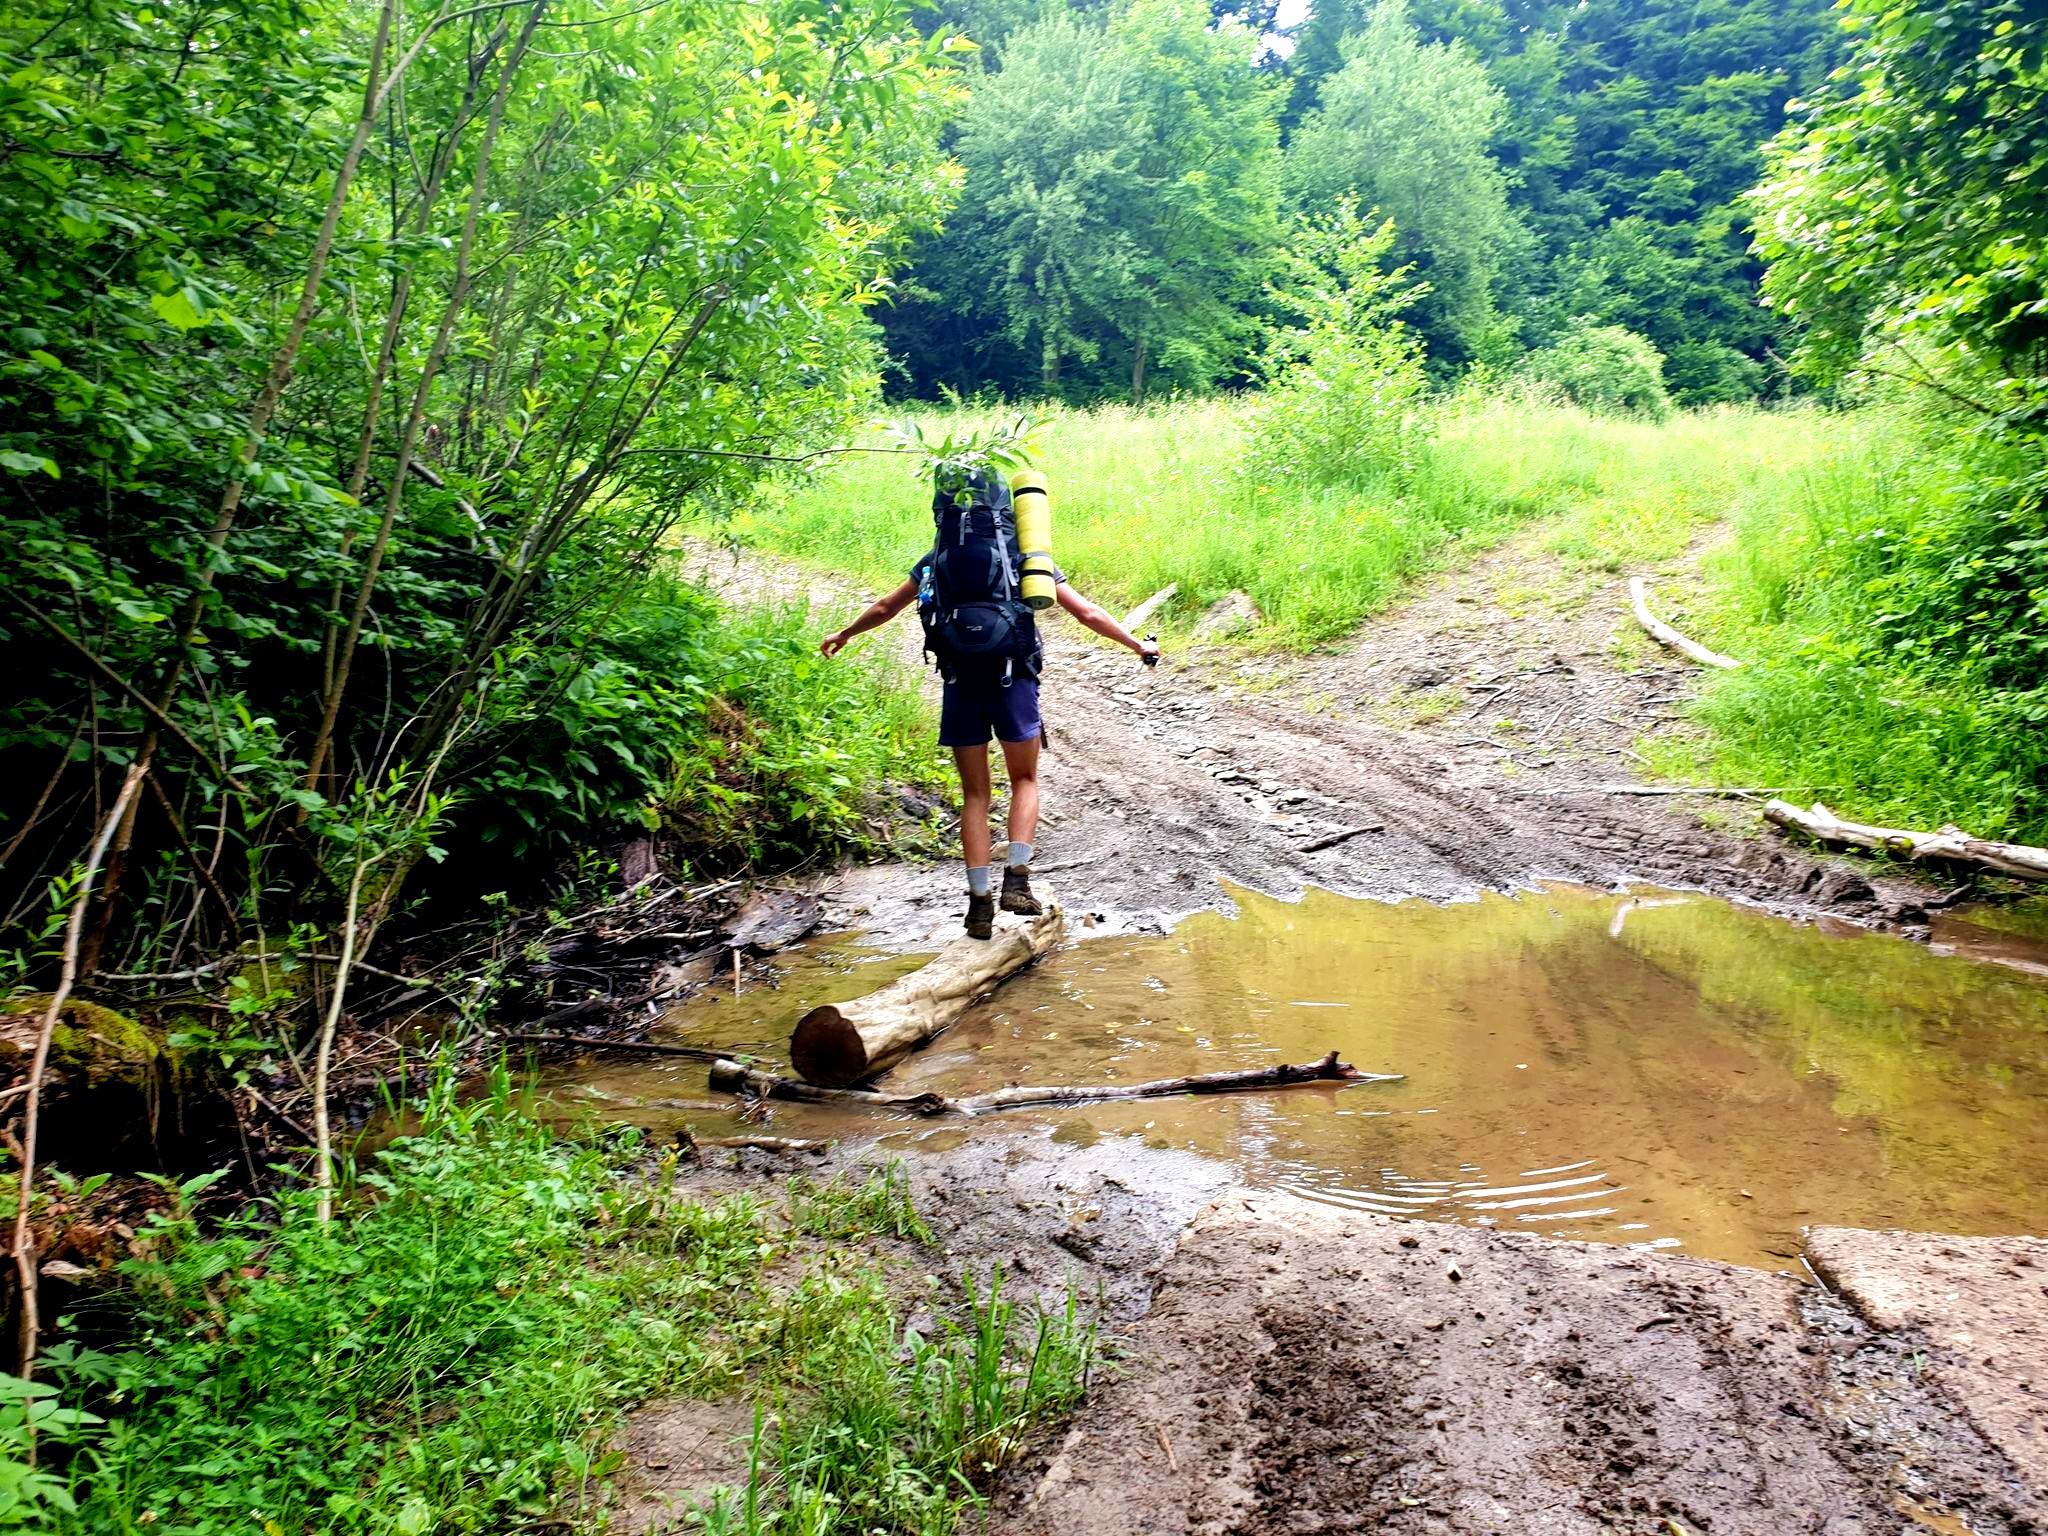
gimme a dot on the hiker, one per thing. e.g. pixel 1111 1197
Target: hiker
pixel 985 641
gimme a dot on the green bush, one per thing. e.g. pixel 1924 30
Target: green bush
pixel 1603 368
pixel 453 1352
pixel 1894 598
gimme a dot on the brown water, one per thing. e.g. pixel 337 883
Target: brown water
pixel 1660 1069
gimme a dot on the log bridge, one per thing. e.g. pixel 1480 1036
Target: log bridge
pixel 839 1044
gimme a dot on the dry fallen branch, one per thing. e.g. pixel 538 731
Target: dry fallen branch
pixel 1639 599
pixel 694 1144
pixel 1344 836
pixel 840 1044
pixel 1950 844
pixel 1150 606
pixel 732 1077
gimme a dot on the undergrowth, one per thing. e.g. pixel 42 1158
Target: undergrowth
pixel 1891 663
pixel 454 1350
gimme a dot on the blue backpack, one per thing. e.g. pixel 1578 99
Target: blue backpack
pixel 976 624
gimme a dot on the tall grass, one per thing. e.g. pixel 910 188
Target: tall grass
pixel 1824 588
pixel 1147 497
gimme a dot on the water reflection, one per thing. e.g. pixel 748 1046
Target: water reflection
pixel 1657 1068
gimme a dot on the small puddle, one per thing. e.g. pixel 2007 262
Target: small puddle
pixel 1656 1069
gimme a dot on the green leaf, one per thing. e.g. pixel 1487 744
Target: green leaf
pixel 176 308
pixel 28 463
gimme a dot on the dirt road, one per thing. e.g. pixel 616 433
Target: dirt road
pixel 1162 786
pixel 1291 1367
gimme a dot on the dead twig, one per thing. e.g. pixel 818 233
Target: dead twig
pixel 1345 836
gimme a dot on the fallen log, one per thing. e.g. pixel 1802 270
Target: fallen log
pixel 732 1077
pixel 1950 844
pixel 840 1044
pixel 1639 599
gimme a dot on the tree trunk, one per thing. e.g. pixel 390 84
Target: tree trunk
pixel 1138 373
pixel 1951 844
pixel 1049 368
pixel 840 1044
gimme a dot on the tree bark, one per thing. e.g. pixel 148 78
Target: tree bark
pixel 840 1044
pixel 23 1241
pixel 1639 599
pixel 731 1077
pixel 1950 844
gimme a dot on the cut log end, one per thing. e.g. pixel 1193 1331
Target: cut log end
pixel 827 1049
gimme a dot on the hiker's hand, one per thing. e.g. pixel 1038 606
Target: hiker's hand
pixel 833 643
pixel 1148 650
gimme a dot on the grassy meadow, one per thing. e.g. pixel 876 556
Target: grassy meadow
pixel 1801 514
pixel 1143 497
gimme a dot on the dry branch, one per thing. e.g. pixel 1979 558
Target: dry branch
pixel 840 1044
pixel 1950 844
pixel 39 1063
pixel 731 1077
pixel 1345 836
pixel 1639 599
pixel 1150 606
pixel 694 1144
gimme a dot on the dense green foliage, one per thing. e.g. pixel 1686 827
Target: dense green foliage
pixel 1125 176
pixel 1603 368
pixel 360 367
pixel 1547 163
pixel 454 1351
pixel 1902 597
pixel 1406 128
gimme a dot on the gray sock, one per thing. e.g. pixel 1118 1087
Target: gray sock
pixel 977 879
pixel 1020 855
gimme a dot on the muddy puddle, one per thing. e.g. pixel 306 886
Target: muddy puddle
pixel 1658 1069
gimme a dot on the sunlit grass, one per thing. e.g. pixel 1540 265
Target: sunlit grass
pixel 1147 497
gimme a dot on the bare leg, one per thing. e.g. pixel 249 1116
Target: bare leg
pixel 976 795
pixel 1021 759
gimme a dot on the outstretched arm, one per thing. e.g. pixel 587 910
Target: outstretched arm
pixel 874 616
pixel 1097 619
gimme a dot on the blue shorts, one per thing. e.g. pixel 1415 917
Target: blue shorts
pixel 971 711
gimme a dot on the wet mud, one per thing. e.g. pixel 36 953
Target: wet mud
pixel 1335 1310
pixel 1311 1370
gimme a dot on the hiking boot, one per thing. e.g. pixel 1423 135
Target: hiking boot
pixel 981 915
pixel 1017 895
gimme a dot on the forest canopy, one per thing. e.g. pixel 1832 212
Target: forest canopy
pixel 1547 166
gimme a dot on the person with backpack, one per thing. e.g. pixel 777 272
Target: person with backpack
pixel 984 639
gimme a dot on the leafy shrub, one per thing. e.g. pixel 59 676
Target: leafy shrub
pixel 1342 388
pixel 1896 598
pixel 1603 368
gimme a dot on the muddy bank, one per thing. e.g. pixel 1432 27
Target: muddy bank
pixel 1448 750
pixel 1308 1370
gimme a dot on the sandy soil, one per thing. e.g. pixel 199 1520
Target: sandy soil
pixel 1293 1368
